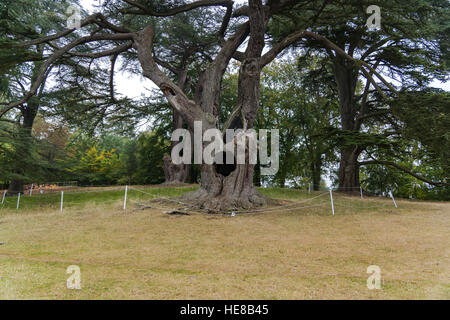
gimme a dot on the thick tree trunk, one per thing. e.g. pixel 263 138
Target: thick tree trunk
pixel 349 170
pixel 236 189
pixel 16 186
pixel 224 193
pixel 257 175
pixel 346 76
pixel 23 148
pixel 175 174
pixel 282 181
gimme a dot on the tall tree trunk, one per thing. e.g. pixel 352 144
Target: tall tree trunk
pixel 346 76
pixel 175 174
pixel 235 190
pixel 349 170
pixel 316 169
pixel 257 175
pixel 24 140
pixel 23 148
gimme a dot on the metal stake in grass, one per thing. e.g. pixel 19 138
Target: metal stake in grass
pixel 392 196
pixel 4 195
pixel 125 199
pixel 360 189
pixel 331 198
pixel 18 201
pixel 31 190
pixel 62 199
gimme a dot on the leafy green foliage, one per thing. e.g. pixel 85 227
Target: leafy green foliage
pixel 151 149
pixel 425 116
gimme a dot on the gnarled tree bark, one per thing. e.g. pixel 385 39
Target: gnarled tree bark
pixel 346 75
pixel 236 190
pixel 29 113
pixel 176 173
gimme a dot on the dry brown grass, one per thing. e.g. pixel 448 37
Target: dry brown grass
pixel 303 254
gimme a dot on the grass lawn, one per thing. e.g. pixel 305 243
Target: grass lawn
pixel 298 251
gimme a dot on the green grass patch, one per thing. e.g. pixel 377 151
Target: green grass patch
pixel 297 254
pixel 81 198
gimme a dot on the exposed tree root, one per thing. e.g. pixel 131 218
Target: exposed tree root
pixel 202 199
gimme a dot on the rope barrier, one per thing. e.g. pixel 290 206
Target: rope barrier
pixel 241 212
pixel 93 191
pixel 287 205
pixel 164 198
pixel 297 205
pixel 153 207
pixel 278 209
pixel 358 207
pixel 96 202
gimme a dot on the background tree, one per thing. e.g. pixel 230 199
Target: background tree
pixel 408 50
pixel 21 21
pixel 422 121
pixel 184 44
pixel 304 113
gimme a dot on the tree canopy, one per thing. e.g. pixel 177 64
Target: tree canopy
pixel 339 91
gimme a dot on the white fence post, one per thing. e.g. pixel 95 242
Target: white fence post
pixel 360 189
pixel 392 196
pixel 4 195
pixel 125 199
pixel 18 201
pixel 31 190
pixel 331 198
pixel 62 199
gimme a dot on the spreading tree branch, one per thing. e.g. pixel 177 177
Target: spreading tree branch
pixel 143 43
pixel 296 36
pixel 144 10
pixel 393 164
pixel 96 18
pixel 111 76
pixel 225 22
pixel 57 55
